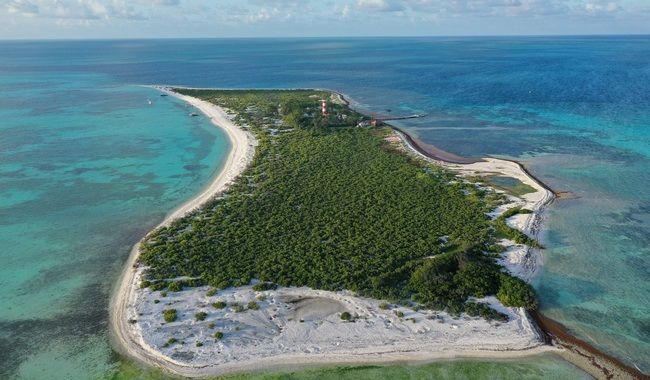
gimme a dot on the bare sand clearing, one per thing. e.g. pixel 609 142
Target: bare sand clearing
pixel 301 326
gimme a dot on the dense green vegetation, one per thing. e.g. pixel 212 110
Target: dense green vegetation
pixel 505 231
pixel 515 292
pixel 331 206
pixel 262 286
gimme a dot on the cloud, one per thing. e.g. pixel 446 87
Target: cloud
pixel 22 7
pixel 602 8
pixel 334 16
pixel 484 8
pixel 380 5
pixel 164 2
pixel 74 9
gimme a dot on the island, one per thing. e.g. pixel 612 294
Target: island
pixel 330 237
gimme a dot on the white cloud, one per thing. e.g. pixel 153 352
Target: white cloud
pixel 164 2
pixel 492 7
pixel 23 7
pixel 601 8
pixel 74 9
pixel 380 5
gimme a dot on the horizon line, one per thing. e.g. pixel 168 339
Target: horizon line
pixel 324 37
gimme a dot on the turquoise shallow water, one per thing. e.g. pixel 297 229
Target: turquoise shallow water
pixel 87 166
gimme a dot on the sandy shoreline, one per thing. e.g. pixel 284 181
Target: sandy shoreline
pixel 240 155
pixel 452 338
pixel 524 261
pixel 520 260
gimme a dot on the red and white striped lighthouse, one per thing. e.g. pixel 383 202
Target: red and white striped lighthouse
pixel 323 104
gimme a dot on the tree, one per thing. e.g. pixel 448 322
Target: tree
pixel 432 281
pixel 477 279
pixel 516 293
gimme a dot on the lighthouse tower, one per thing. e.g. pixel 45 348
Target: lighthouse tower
pixel 323 104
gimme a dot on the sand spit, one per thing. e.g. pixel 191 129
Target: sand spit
pixel 241 154
pixel 521 260
pixel 302 326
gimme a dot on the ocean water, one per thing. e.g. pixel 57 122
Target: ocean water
pixel 87 166
pixel 544 366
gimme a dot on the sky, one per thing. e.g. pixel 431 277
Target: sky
pixel 65 19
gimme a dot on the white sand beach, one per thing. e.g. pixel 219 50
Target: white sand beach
pixel 241 154
pixel 296 327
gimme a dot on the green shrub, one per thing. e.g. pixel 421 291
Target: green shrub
pixel 399 313
pixel 144 284
pixel 169 315
pixel 219 305
pixel 199 344
pixel 175 286
pixel 252 305
pixel 384 306
pixel 211 292
pixel 157 285
pixel 170 342
pixel 346 316
pixel 514 211
pixel 504 230
pixel 211 325
pixel 515 292
pixel 218 335
pixel 201 315
pixel 237 308
pixel 474 309
pixel 261 286
pixel 261 297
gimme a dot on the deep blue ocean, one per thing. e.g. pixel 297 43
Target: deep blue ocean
pixel 90 161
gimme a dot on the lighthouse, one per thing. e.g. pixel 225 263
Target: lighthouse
pixel 323 104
